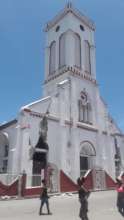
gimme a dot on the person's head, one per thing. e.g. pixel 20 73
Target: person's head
pixel 79 181
pixel 43 182
pixel 83 180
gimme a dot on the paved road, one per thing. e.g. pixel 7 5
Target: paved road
pixel 102 206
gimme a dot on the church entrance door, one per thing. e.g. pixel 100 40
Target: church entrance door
pixel 87 153
pixel 39 163
pixel 84 165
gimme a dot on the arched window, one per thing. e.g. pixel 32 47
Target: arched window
pixel 74 50
pixel 87 58
pixel 52 60
pixel 77 51
pixel 87 153
pixel 4 151
pixel 62 50
pixel 84 108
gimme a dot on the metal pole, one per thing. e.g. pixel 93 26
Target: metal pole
pixel 19 184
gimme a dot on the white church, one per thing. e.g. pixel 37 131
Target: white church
pixel 69 128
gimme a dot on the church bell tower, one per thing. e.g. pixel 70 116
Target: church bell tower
pixel 70 57
pixel 69 47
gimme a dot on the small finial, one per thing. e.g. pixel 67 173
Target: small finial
pixel 69 4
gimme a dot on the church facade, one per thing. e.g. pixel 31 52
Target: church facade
pixel 69 129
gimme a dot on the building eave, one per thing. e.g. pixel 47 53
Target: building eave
pixel 117 134
pixel 8 124
pixel 70 9
pixel 35 102
pixel 114 122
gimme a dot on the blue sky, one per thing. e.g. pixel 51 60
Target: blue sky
pixel 22 51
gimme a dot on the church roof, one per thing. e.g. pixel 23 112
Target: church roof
pixel 36 102
pixel 70 9
pixel 7 124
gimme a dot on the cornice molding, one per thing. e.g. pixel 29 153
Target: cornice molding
pixel 70 9
pixel 67 122
pixel 53 118
pixel 105 132
pixel 41 115
pixel 117 134
pixel 86 126
pixel 74 71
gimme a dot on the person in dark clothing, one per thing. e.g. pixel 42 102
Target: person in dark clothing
pixel 44 199
pixel 83 194
pixel 120 196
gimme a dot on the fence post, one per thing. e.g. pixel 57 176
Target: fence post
pixel 23 183
pixel 19 185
